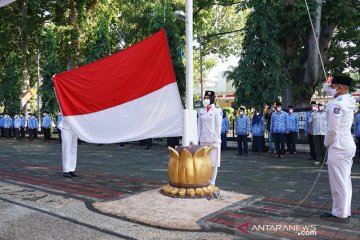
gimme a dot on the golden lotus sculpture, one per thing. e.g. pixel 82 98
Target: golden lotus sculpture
pixel 189 172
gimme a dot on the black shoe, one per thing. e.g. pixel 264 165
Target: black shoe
pixel 331 218
pixel 67 175
pixel 73 174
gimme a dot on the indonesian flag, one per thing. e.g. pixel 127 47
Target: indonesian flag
pixel 5 2
pixel 130 95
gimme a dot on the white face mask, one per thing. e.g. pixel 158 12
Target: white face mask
pixel 241 113
pixel 290 110
pixel 206 102
pixel 313 108
pixel 327 88
pixel 278 109
pixel 257 114
pixel 321 108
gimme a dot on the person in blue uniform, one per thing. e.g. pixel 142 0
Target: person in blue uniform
pixel 257 130
pixel 278 129
pixel 32 126
pixel 224 130
pixel 242 130
pixel 357 132
pixel 46 126
pixel 17 124
pixel 7 125
pixel 22 125
pixel 313 108
pixel 292 127
pixel 58 121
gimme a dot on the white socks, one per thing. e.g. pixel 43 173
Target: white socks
pixel 213 176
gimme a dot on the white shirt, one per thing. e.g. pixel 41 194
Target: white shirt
pixel 319 122
pixel 209 125
pixel 340 115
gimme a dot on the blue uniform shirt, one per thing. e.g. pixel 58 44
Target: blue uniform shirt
pixel 59 120
pixel 308 114
pixel 32 123
pixel 46 122
pixel 1 122
pixel 258 128
pixel 242 125
pixel 357 125
pixel 278 122
pixel 7 122
pixel 224 125
pixel 292 122
pixel 17 122
pixel 22 122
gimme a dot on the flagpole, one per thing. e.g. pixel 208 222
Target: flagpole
pixel 189 117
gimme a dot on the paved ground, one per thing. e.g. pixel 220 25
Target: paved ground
pixel 31 183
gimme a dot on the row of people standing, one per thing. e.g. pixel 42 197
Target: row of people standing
pixel 283 128
pixel 18 124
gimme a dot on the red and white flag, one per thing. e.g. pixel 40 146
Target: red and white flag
pixel 128 96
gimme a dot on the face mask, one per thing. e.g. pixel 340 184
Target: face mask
pixel 313 108
pixel 257 114
pixel 321 108
pixel 327 88
pixel 206 102
pixel 332 92
pixel 241 113
pixel 278 109
pixel 290 110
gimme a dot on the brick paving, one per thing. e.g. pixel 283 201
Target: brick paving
pixel 276 185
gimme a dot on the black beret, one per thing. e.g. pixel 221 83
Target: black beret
pixel 242 108
pixel 278 104
pixel 209 93
pixel 313 103
pixel 343 80
pixel 290 106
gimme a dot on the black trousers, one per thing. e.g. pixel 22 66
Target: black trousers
pixel 2 132
pixel 7 132
pixel 22 132
pixel 31 134
pixel 223 141
pixel 242 142
pixel 46 133
pixel 17 133
pixel 279 140
pixel 320 149
pixel 257 145
pixel 311 145
pixel 59 133
pixel 291 138
pixel 35 131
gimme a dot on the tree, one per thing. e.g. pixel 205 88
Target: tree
pixel 334 21
pixel 259 77
pixel 51 66
pixel 11 83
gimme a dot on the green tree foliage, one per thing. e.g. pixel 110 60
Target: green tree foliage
pixel 11 83
pixel 258 78
pixel 51 66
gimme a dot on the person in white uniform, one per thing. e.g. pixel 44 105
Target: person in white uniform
pixel 209 130
pixel 341 147
pixel 69 149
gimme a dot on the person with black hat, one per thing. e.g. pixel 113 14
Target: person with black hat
pixel 46 126
pixel 278 130
pixel 209 130
pixel 341 147
pixel 313 108
pixel 17 124
pixel 292 129
pixel 7 125
pixel 257 131
pixel 242 130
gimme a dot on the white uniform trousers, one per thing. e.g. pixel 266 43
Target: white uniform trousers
pixel 339 166
pixel 215 159
pixel 69 150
